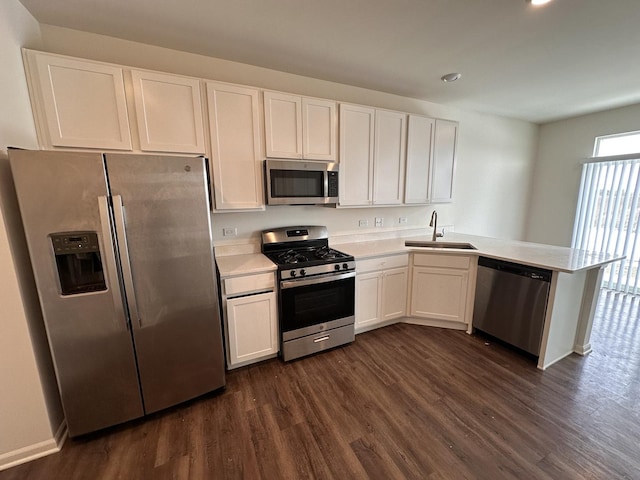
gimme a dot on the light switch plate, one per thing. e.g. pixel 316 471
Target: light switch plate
pixel 229 232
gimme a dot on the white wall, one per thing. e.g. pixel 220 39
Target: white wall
pixel 495 155
pixel 563 146
pixel 30 409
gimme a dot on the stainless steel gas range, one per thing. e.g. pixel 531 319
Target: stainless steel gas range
pixel 316 295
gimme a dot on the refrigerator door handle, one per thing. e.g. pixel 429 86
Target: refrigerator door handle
pixel 132 303
pixel 109 259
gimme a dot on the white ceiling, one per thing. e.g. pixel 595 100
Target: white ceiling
pixel 539 64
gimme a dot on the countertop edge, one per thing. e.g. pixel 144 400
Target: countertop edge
pixel 379 248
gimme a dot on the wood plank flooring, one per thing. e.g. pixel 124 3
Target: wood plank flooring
pixel 402 402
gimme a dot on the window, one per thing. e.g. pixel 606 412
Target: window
pixel 618 144
pixel 609 208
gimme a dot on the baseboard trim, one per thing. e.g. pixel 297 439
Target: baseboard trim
pixel 61 434
pixel 582 349
pixel 427 322
pixel 35 451
pixel 368 328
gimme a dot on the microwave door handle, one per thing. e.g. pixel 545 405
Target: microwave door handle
pixel 109 260
pixel 118 211
pixel 326 183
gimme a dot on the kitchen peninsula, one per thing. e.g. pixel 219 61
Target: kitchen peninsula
pixel 575 282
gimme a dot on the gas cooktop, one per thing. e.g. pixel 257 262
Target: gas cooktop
pixel 304 251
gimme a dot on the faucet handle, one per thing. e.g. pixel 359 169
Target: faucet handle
pixel 440 234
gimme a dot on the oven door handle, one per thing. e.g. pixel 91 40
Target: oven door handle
pixel 315 280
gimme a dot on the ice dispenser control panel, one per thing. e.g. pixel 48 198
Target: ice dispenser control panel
pixel 78 262
pixel 75 242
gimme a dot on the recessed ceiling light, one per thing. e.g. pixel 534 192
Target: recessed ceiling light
pixel 450 77
pixel 538 2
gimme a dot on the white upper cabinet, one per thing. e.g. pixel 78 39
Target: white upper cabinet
pixel 77 103
pixel 372 156
pixel 443 161
pixel 389 157
pixel 299 127
pixel 419 144
pixel 234 122
pixel 319 129
pixel 356 154
pixel 283 125
pixel 169 112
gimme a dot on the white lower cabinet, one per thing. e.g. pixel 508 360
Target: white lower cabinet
pixel 381 291
pixel 251 321
pixel 442 288
pixel 250 318
pixel 394 293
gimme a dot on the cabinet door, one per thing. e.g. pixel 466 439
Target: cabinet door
pixel 283 125
pixel 394 293
pixel 319 129
pixel 234 122
pixel 169 112
pixel 389 157
pixel 419 143
pixel 443 162
pixel 252 327
pixel 439 293
pixel 356 155
pixel 78 103
pixel 368 298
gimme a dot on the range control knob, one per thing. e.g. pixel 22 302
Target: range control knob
pixel 337 267
pixel 303 272
pixel 292 273
pixel 345 266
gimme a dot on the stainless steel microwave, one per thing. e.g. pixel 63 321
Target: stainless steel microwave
pixel 299 182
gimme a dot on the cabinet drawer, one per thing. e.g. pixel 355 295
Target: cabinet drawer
pixel 382 263
pixel 248 284
pixel 439 260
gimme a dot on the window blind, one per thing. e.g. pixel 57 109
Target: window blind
pixel 607 218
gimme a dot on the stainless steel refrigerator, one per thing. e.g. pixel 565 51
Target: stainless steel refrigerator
pixel 122 253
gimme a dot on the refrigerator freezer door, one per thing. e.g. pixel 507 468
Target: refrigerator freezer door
pixel 161 209
pixel 87 332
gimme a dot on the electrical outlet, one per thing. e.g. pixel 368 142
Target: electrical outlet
pixel 379 221
pixel 363 223
pixel 229 232
pixel 402 220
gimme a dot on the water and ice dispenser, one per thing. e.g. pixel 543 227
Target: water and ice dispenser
pixel 78 262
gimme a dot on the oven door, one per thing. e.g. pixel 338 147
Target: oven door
pixel 311 305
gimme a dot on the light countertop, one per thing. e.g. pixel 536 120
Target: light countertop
pixel 551 257
pixel 561 259
pixel 244 264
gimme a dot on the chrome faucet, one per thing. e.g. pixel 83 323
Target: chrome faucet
pixel 434 223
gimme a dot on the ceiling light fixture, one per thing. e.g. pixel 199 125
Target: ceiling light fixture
pixel 450 77
pixel 538 2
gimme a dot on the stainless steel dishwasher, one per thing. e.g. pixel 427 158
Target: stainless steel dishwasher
pixel 511 302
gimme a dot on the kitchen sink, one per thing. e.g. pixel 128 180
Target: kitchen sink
pixel 454 245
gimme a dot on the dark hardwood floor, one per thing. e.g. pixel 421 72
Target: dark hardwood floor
pixel 401 402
